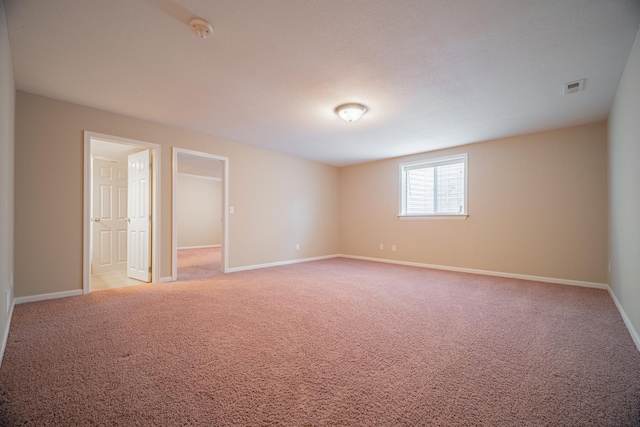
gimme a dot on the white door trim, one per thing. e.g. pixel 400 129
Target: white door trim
pixel 224 253
pixel 155 205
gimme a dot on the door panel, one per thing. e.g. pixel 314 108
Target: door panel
pixel 105 201
pixel 139 213
pixel 105 248
pixel 109 201
pixel 122 203
pixel 122 247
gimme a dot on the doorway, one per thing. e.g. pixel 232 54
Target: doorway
pixel 121 216
pixel 200 204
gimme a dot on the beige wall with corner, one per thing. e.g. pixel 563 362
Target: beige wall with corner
pixel 537 206
pixel 537 203
pixel 279 200
pixel 624 192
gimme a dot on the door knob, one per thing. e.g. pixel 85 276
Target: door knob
pixel 128 219
pixel 96 219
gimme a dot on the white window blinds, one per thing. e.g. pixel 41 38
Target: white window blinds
pixel 434 187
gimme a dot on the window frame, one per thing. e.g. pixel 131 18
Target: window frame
pixel 427 162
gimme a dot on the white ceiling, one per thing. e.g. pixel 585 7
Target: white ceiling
pixel 433 74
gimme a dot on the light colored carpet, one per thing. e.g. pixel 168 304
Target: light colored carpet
pixel 198 264
pixel 334 342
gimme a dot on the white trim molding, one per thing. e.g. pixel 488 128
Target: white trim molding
pixel 211 178
pixel 52 295
pixel 5 334
pixel 155 204
pixel 625 319
pixel 279 263
pixel 484 272
pixel 224 253
pixel 447 217
pixel 199 247
pixel 166 279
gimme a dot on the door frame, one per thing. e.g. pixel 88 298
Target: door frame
pixel 224 251
pixel 87 196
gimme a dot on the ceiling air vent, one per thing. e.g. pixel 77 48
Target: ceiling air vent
pixel 573 87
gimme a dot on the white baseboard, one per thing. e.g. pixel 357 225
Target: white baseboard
pixel 276 264
pixel 52 295
pixel 5 334
pixel 166 279
pixel 485 272
pixel 199 247
pixel 625 318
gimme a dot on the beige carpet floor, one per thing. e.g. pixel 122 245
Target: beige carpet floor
pixel 335 342
pixel 198 264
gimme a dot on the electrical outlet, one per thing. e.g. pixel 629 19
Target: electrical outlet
pixel 297 246
pixel 393 248
pixel 381 246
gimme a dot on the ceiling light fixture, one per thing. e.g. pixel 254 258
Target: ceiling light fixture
pixel 351 112
pixel 200 28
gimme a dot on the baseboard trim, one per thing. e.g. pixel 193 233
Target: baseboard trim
pixel 199 247
pixel 485 272
pixel 279 263
pixel 210 178
pixel 166 279
pixel 52 295
pixel 625 319
pixel 5 334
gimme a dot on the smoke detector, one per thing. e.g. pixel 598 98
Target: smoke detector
pixel 573 87
pixel 201 28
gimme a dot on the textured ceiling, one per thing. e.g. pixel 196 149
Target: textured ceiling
pixel 433 74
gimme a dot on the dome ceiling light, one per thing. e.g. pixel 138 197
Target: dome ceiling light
pixel 351 112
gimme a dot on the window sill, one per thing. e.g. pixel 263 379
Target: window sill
pixel 445 217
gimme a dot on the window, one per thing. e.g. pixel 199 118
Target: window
pixel 434 187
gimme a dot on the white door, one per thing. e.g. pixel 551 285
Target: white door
pixel 109 213
pixel 139 208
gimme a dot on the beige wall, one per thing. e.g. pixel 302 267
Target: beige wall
pixel 199 211
pixel 537 206
pixel 279 200
pixel 7 110
pixel 624 189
